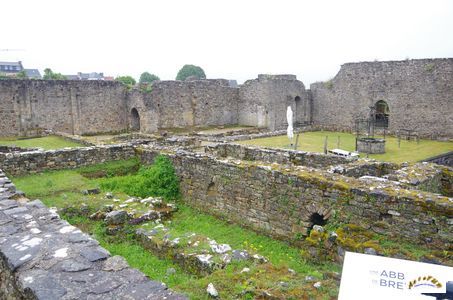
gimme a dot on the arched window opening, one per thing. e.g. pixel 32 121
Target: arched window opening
pixel 135 120
pixel 382 114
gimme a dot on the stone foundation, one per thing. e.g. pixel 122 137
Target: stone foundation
pixel 285 201
pixel 370 145
pixel 37 161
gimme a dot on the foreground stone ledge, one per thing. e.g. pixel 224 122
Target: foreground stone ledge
pixel 44 257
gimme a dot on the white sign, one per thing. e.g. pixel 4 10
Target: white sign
pixel 376 277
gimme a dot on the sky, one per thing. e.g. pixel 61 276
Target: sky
pixel 234 39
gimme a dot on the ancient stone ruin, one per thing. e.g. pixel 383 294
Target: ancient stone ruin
pixel 285 194
pixel 412 94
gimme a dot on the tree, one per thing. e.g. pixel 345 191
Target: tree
pixel 22 75
pixel 50 75
pixel 126 80
pixel 148 78
pixel 190 70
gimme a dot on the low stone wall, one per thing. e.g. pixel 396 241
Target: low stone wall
pixel 280 156
pixel 43 257
pixel 12 149
pixel 285 202
pixel 365 167
pixel 445 159
pixel 37 161
pixel 371 145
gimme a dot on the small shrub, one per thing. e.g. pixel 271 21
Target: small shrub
pixel 328 84
pixel 429 67
pixel 156 180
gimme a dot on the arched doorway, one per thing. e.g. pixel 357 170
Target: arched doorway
pixel 382 113
pixel 135 120
pixel 298 110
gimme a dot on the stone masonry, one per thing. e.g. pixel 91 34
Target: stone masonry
pixel 418 93
pixel 283 200
pixel 43 257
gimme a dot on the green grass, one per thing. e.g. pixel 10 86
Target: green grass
pixel 47 143
pixel 408 151
pixel 279 253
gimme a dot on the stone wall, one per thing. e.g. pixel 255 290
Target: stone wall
pixel 445 159
pixel 280 156
pixel 263 101
pixel 77 107
pixel 419 94
pixel 285 201
pixel 195 103
pixel 44 257
pixel 147 110
pixel 20 163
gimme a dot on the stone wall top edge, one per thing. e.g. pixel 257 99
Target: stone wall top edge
pixel 378 64
pixel 370 186
pixel 399 62
pixel 219 81
pixel 13 81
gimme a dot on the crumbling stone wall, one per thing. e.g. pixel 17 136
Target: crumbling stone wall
pixel 283 201
pixel 419 94
pixel 280 156
pixel 263 101
pixel 44 257
pixel 37 161
pixel 195 103
pixel 147 109
pixel 76 107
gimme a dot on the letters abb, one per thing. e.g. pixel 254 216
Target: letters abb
pixel 391 279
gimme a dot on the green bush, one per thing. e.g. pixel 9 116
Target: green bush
pixel 147 77
pixel 128 81
pixel 190 70
pixel 158 179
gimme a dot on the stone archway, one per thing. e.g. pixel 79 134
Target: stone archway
pixel 382 114
pixel 135 120
pixel 298 110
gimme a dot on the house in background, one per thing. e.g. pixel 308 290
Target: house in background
pixel 33 73
pixel 86 76
pixel 11 68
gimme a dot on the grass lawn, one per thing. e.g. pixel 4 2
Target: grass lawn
pixel 409 151
pixel 47 142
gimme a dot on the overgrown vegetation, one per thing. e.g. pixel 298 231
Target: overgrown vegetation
pixel 156 180
pixel 50 75
pixel 127 80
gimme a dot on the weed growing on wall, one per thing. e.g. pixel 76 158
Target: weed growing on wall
pixel 158 179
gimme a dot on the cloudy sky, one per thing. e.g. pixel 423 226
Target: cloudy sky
pixel 234 39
